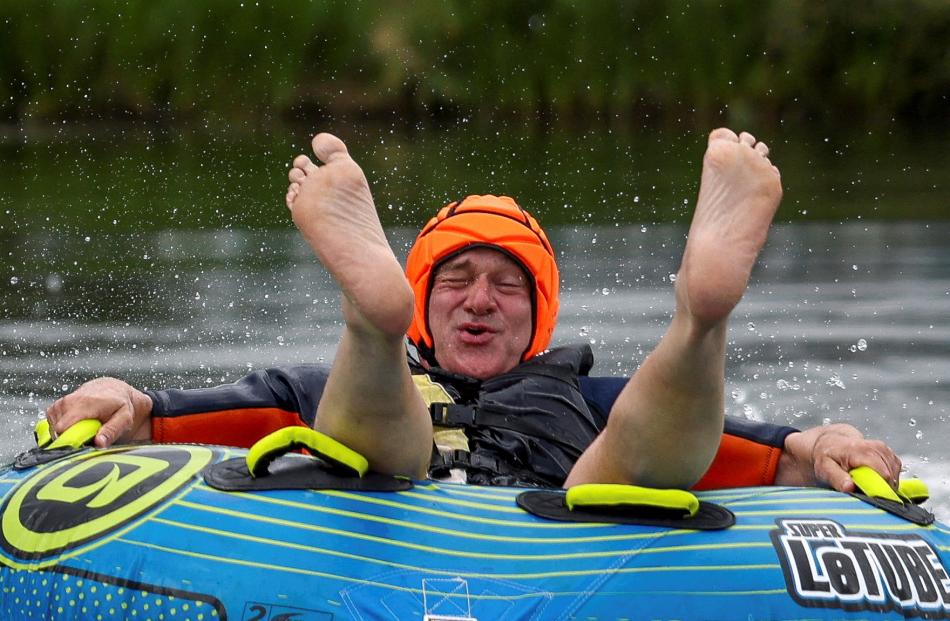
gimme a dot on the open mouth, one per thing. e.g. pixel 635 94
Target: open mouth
pixel 475 333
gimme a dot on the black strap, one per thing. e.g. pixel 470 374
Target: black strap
pixel 480 463
pixel 469 417
pixel 38 456
pixel 463 459
pixel 909 511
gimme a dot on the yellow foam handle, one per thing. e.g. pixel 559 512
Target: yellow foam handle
pixel 615 495
pixel 80 434
pixel 282 441
pixel 42 433
pixel 873 484
pixel 914 490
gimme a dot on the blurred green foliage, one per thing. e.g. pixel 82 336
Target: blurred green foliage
pixel 221 62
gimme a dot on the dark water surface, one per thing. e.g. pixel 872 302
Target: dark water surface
pixel 73 181
pixel 171 264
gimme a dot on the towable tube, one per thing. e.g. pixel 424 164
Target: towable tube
pixel 137 532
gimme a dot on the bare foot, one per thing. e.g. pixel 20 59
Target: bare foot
pixel 332 207
pixel 739 193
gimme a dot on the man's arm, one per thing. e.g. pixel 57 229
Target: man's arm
pixel 753 453
pixel 236 414
pixel 824 456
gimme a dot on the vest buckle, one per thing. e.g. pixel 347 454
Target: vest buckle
pixel 452 415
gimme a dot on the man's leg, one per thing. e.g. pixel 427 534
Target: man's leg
pixel 665 427
pixel 370 402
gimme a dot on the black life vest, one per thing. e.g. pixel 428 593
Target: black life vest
pixel 526 427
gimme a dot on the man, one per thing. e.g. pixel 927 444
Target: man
pixel 479 305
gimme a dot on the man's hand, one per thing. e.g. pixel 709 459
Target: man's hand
pixel 124 411
pixel 824 456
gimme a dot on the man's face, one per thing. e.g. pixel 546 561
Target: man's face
pixel 480 313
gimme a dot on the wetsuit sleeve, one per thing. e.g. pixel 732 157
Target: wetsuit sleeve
pixel 241 413
pixel 748 453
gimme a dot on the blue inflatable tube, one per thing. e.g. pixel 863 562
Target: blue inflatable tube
pixel 139 533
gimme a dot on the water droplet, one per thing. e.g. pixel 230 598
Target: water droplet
pixel 835 380
pixel 750 326
pixel 752 413
pixel 862 345
pixel 912 422
pixel 54 283
pixel 605 291
pixel 672 277
pixel 919 435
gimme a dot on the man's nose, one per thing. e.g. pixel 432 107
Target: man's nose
pixel 481 296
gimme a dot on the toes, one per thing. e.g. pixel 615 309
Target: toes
pixel 328 147
pixel 747 139
pixel 303 164
pixel 292 190
pixel 723 133
pixel 762 149
pixel 297 175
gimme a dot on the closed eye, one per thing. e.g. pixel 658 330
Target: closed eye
pixel 511 286
pixel 453 282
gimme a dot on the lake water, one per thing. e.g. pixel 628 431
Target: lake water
pixel 163 255
pixel 843 322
